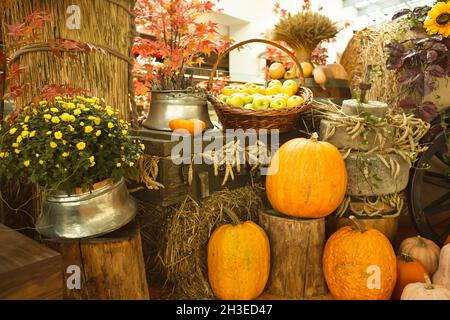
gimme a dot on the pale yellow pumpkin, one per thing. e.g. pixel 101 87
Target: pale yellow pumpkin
pixel 424 250
pixel 442 275
pixel 425 291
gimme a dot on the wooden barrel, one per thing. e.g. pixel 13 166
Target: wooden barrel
pixel 296 248
pixel 105 24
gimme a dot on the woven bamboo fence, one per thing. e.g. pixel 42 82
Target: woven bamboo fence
pixel 105 24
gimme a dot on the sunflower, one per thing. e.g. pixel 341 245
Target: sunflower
pixel 438 21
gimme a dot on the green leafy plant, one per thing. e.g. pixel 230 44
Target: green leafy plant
pixel 67 144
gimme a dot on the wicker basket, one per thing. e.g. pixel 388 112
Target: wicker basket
pixel 239 118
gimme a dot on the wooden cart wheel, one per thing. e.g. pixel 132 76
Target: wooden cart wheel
pixel 430 179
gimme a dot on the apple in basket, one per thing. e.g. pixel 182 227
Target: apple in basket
pixel 275 89
pixel 229 90
pixel 236 101
pixel 294 101
pixel 282 96
pixel 278 104
pixel 290 87
pixel 261 103
pixel 223 98
pixel 274 83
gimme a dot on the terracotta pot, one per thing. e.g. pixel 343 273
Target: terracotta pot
pixel 386 225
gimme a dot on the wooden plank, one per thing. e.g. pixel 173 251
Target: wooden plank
pixel 28 270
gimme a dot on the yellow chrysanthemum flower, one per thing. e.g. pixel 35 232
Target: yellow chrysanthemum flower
pixel 110 125
pixel 438 21
pixel 118 165
pixel 91 159
pixel 47 116
pixel 41 162
pixel 65 117
pixel 15 145
pixel 109 111
pixel 131 164
pixel 56 120
pixel 25 134
pixel 12 130
pixel 2 155
pixel 53 145
pixel 32 134
pixel 88 129
pixel 65 154
pixel 43 103
pixel 98 133
pixel 72 129
pixel 27 118
pixel 17 151
pixel 81 146
pixel 54 110
pixel 109 135
pixel 58 135
pixel 49 133
pixel 82 123
pixel 97 121
pixel 26 163
pixel 19 139
pixel 77 112
pixel 124 132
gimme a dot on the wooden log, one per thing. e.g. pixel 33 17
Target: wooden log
pixel 28 270
pixel 112 266
pixel 296 247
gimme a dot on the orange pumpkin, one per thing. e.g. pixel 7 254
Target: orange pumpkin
pixel 306 178
pixel 193 126
pixel 447 241
pixel 359 264
pixel 238 260
pixel 409 270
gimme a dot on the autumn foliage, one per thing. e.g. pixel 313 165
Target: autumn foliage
pixel 179 38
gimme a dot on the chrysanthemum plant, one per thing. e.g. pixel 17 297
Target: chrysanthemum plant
pixel 67 144
pixel 424 58
pixel 179 39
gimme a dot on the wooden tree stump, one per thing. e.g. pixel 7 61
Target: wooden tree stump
pixel 296 247
pixel 112 266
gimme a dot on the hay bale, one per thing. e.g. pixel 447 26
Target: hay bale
pixel 106 75
pixel 367 48
pixel 175 239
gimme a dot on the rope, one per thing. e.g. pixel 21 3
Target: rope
pixel 36 47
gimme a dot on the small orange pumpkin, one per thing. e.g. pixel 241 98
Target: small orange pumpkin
pixel 193 126
pixel 306 178
pixel 359 264
pixel 409 270
pixel 238 260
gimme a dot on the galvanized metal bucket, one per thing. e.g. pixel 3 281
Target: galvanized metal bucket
pixel 87 214
pixel 169 105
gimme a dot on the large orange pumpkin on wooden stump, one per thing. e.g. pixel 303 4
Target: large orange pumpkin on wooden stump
pixel 359 264
pixel 409 270
pixel 238 260
pixel 306 178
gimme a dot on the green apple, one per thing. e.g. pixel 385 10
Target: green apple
pixel 290 91
pixel 294 101
pixel 282 96
pixel 261 103
pixel 228 90
pixel 292 84
pixel 274 83
pixel 249 106
pixel 241 89
pixel 223 98
pixel 236 101
pixel 244 95
pixel 278 104
pixel 272 90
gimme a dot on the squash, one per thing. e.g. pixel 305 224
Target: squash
pixel 424 250
pixel 193 126
pixel 238 260
pixel 409 270
pixel 359 264
pixel 425 291
pixel 306 178
pixel 320 76
pixel 336 71
pixel 442 275
pixel 307 69
pixel 447 241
